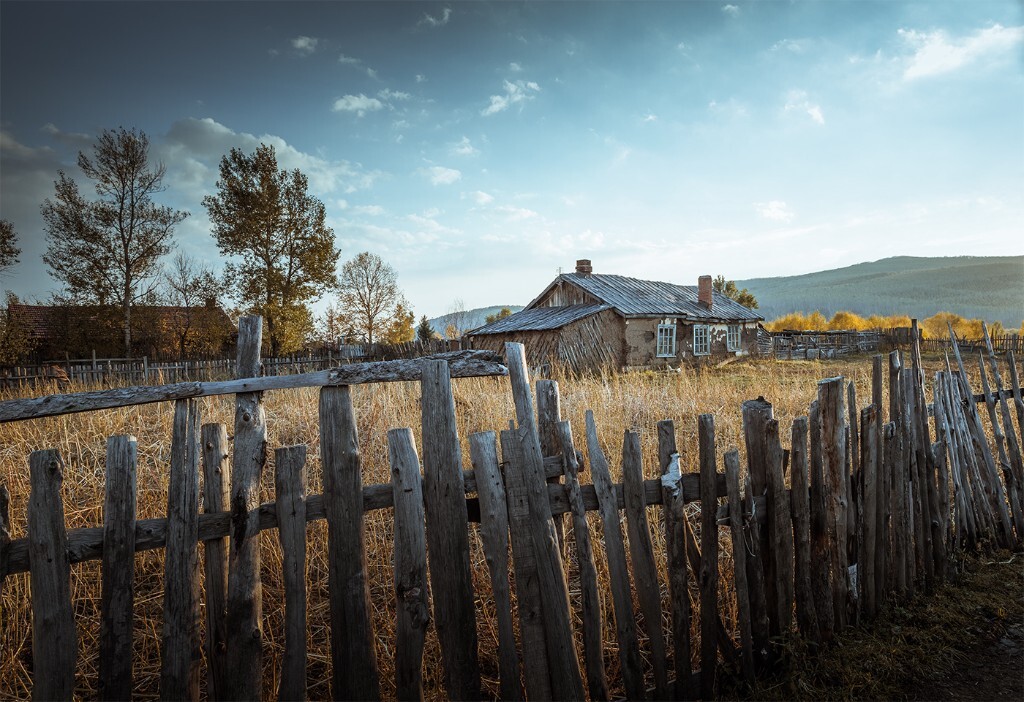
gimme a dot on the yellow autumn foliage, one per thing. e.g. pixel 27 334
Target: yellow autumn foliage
pixel 933 327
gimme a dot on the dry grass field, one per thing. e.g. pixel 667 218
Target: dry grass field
pixel 635 400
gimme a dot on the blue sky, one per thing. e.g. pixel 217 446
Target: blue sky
pixel 479 147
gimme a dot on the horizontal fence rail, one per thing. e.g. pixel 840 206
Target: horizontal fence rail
pixel 858 503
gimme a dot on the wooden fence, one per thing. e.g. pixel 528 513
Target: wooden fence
pixel 131 371
pixel 876 509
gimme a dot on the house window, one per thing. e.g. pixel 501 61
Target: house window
pixel 732 338
pixel 666 340
pixel 701 340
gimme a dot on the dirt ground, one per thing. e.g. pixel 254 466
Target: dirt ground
pixel 964 642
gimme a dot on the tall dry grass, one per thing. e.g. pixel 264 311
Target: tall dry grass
pixel 636 400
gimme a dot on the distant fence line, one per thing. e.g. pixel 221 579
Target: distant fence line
pixel 143 371
pixel 813 344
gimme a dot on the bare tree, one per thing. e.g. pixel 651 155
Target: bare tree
pixel 107 251
pixel 194 290
pixel 369 294
pixel 457 319
pixel 8 246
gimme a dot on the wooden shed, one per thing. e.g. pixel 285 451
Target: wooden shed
pixel 588 320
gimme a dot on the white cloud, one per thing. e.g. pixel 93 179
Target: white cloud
pixel 731 10
pixel 515 214
pixel 420 78
pixel 464 148
pixel 439 175
pixel 774 210
pixel 731 108
pixel 374 210
pixel 797 101
pixel 349 60
pixel 442 20
pixel 305 45
pixel 935 53
pixel 650 117
pixel 481 198
pixel 74 139
pixel 795 46
pixel 515 67
pixel 515 92
pixel 393 95
pixel 360 104
pixel 193 147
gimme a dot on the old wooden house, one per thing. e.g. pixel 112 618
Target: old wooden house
pixel 587 320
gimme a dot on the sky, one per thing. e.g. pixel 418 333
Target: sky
pixel 482 147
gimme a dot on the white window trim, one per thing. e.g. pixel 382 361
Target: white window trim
pixel 672 341
pixel 707 340
pixel 730 344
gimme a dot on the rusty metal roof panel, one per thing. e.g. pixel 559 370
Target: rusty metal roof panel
pixel 640 298
pixel 540 319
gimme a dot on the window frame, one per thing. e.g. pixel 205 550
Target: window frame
pixel 738 343
pixel 669 327
pixel 706 329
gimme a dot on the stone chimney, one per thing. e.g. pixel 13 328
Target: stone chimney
pixel 704 291
pixel 584 268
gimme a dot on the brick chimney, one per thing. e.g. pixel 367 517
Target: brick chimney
pixel 584 268
pixel 704 291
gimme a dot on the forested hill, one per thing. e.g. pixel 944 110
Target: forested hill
pixel 986 287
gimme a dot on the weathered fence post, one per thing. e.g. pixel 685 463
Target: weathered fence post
pixel 290 491
pixel 641 551
pixel 806 619
pixel 54 639
pixel 118 570
pixel 593 643
pixel 780 529
pixel 216 489
pixel 566 679
pixel 353 655
pixel 675 547
pixel 833 450
pixel 494 528
pixel 448 534
pixel 618 574
pixel 179 675
pixel 739 552
pixel 244 649
pixel 549 413
pixel 709 556
pixel 869 480
pixel 411 599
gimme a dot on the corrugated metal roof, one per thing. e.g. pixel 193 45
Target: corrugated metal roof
pixel 635 297
pixel 540 319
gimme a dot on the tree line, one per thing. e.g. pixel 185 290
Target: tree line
pixel 109 252
pixel 933 327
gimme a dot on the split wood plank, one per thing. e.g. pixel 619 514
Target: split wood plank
pixel 869 480
pixel 216 491
pixel 821 579
pixel 936 462
pixel 1013 473
pixel 739 552
pixel 463 364
pixel 536 675
pixel 806 618
pixel 833 450
pixel 451 578
pixel 180 655
pixel 590 616
pixel 244 651
pixel 290 491
pixel 494 535
pixel 618 574
pixel 641 551
pixel 882 512
pixel 54 638
pixel 756 413
pixel 780 529
pixel 118 570
pixel 412 601
pixel 5 534
pixel 549 414
pixel 709 556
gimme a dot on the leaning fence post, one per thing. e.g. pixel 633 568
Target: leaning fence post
pixel 54 639
pixel 739 552
pixel 780 529
pixel 641 551
pixel 245 602
pixel 866 569
pixel 806 618
pixel 179 675
pixel 118 570
pixel 821 579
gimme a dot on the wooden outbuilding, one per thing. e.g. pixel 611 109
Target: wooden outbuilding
pixel 590 320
